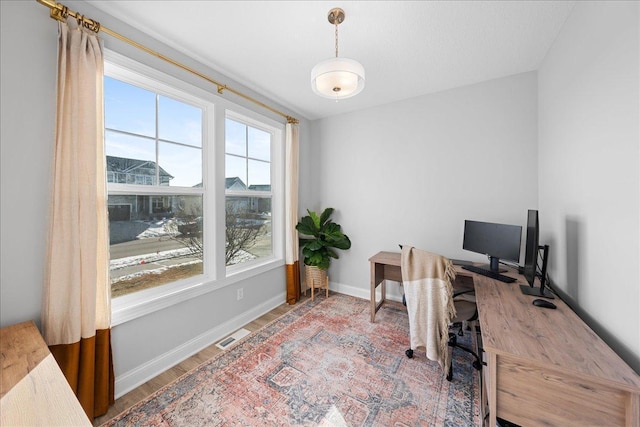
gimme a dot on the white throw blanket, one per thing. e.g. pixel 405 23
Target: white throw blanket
pixel 427 279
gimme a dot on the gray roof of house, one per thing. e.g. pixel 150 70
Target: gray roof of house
pixel 234 181
pixel 126 165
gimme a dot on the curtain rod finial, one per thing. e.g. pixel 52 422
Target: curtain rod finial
pixel 59 14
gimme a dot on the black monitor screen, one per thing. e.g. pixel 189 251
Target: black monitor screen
pixel 531 255
pixel 531 247
pixel 498 241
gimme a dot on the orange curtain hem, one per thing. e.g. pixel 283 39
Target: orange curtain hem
pixel 88 367
pixel 293 282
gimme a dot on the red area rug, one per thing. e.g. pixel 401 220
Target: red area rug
pixel 322 364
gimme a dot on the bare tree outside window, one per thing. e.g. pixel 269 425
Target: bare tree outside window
pixel 242 232
pixel 186 228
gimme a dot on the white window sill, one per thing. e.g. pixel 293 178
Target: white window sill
pixel 138 304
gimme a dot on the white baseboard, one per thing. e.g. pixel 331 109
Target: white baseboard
pixel 394 291
pixel 128 381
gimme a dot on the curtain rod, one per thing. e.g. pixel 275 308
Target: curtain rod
pixel 60 12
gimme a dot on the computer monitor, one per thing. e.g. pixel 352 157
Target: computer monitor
pixel 497 241
pixel 531 255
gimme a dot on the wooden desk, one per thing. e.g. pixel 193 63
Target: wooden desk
pixel 33 390
pixel 547 367
pixel 544 367
pixel 384 266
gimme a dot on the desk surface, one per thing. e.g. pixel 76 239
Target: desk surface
pixel 547 367
pixel 33 390
pixel 553 339
pixel 386 258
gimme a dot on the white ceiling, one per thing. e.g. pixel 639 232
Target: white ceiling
pixel 408 48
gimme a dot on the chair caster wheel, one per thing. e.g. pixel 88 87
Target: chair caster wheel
pixel 409 353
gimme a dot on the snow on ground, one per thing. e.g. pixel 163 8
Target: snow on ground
pixel 159 229
pixel 156 229
pixel 160 269
pixel 155 258
pixel 116 264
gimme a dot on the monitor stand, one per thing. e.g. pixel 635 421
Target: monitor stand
pixel 494 265
pixel 489 269
pixel 535 292
pixel 542 291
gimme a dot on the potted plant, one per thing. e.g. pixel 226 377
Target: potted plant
pixel 319 237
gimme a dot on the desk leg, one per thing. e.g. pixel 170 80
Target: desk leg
pixel 493 389
pixel 372 284
pixel 633 410
pixel 377 278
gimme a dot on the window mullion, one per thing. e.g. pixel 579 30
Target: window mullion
pixel 157 138
pixel 246 159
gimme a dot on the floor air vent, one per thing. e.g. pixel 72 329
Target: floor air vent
pixel 226 342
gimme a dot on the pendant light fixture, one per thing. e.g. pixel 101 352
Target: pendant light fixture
pixel 337 78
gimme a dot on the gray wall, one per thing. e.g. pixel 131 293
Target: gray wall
pixel 411 172
pixel 147 345
pixel 590 168
pixel 26 148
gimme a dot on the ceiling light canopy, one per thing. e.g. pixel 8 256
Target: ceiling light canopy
pixel 337 78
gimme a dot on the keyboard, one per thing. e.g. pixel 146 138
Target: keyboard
pixel 485 272
pixel 461 262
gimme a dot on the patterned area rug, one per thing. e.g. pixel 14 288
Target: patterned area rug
pixel 322 364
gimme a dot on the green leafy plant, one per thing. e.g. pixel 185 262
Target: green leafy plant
pixel 319 236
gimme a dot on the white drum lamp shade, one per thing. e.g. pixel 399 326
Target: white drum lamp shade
pixel 337 78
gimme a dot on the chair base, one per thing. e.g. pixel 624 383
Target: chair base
pixel 453 342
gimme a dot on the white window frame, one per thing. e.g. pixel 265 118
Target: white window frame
pixel 215 274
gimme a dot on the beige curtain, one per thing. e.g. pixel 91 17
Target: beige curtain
pixel 76 313
pixel 292 247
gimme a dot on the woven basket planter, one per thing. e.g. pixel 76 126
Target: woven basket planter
pixel 316 278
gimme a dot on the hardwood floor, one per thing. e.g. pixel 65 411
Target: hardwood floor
pixel 151 386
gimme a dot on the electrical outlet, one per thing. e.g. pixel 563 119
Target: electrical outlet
pixel 240 293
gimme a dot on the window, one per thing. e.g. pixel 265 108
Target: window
pixel 154 160
pixel 248 192
pixel 174 233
